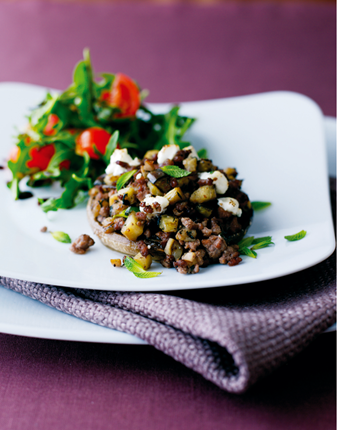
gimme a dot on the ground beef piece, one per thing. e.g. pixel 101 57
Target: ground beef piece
pixel 181 155
pixel 141 216
pixel 147 209
pixel 195 268
pixel 143 248
pixel 200 254
pixel 206 232
pixel 119 223
pixel 104 211
pixel 164 237
pixel 167 162
pixel 140 186
pixel 215 246
pixel 230 256
pixel 192 246
pixel 82 244
pixel 188 223
pixel 147 233
pixel 173 182
pixel 215 226
pixel 223 214
pixel 181 266
pixel 179 208
pixel 203 182
pixel 168 261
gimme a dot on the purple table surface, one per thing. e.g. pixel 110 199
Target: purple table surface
pixel 179 53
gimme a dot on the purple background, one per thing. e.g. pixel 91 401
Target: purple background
pixel 179 53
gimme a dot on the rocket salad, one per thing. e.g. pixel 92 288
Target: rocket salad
pixel 71 136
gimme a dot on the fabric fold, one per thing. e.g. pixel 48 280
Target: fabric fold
pixel 232 336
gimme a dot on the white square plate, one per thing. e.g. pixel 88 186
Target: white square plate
pixel 275 140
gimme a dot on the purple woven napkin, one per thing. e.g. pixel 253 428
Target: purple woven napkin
pixel 232 336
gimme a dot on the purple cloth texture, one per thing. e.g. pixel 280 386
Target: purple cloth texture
pixel 231 336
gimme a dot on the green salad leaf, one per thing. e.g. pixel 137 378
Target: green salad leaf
pixel 175 171
pixel 136 268
pixel 296 236
pixel 46 151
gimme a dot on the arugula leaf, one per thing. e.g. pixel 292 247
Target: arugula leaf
pixel 82 105
pixel 175 171
pixel 60 236
pixel 248 252
pixel 202 153
pixel 296 236
pixel 136 268
pixel 14 187
pixel 75 183
pixel 124 178
pixel 258 206
pixel 112 144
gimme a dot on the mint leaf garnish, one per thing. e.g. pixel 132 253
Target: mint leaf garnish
pixel 262 244
pixel 136 268
pixel 296 236
pixel 258 206
pixel 175 171
pixel 247 241
pixel 124 178
pixel 60 236
pixel 248 252
pixel 261 239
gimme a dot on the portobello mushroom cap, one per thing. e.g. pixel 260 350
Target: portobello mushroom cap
pixel 115 241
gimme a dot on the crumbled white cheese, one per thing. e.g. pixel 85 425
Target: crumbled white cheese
pixel 193 152
pixel 139 176
pixel 220 181
pixel 167 153
pixel 150 200
pixel 230 204
pixel 120 155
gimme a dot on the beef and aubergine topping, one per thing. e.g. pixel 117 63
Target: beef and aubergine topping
pixel 173 207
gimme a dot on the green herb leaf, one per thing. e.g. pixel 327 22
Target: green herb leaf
pixel 247 241
pixel 261 239
pixel 262 244
pixel 125 213
pixel 203 153
pixel 175 171
pixel 296 236
pixel 60 236
pixel 124 178
pixel 258 206
pixel 136 268
pixel 248 252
